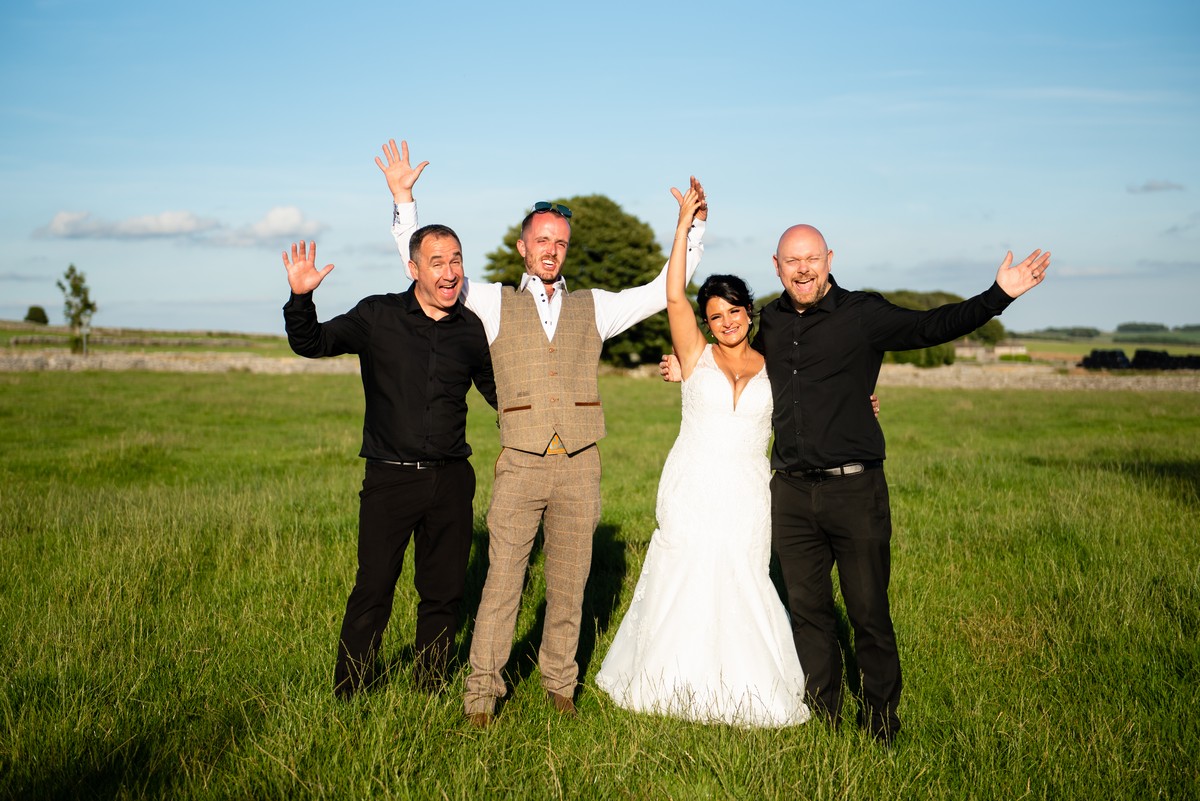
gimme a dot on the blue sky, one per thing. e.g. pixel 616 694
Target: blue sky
pixel 172 151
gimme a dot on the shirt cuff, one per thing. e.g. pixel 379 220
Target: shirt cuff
pixel 300 301
pixel 996 298
pixel 404 213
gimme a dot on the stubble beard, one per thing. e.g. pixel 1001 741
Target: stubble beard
pixel 538 270
pixel 802 306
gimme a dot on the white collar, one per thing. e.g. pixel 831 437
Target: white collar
pixel 560 284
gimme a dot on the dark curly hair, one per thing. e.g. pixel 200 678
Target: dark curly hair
pixel 729 288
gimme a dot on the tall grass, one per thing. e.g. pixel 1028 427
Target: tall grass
pixel 175 553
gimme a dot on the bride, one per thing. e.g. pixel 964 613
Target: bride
pixel 706 637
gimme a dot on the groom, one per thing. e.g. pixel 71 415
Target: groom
pixel 829 501
pixel 823 347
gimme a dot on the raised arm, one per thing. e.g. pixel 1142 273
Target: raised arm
pixel 401 176
pixel 889 327
pixel 686 338
pixel 618 311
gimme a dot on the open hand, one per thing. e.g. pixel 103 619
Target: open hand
pixel 1017 279
pixel 303 275
pixel 398 171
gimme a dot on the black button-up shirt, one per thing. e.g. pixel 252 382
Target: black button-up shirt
pixel 824 363
pixel 416 371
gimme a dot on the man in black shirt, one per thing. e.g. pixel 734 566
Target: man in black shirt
pixel 829 501
pixel 418 351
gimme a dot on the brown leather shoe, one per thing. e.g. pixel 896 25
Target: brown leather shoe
pixel 481 720
pixel 562 704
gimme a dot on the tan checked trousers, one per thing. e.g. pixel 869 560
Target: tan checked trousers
pixel 564 493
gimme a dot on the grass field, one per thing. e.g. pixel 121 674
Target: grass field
pixel 176 550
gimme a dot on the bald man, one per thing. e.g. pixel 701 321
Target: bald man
pixel 829 501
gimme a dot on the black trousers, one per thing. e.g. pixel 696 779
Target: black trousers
pixel 396 503
pixel 844 521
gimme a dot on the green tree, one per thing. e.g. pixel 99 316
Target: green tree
pixel 37 314
pixel 610 249
pixel 78 306
pixel 1141 328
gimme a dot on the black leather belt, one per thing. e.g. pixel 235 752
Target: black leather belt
pixel 425 464
pixel 823 473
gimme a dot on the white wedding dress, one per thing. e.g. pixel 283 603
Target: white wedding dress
pixel 706 637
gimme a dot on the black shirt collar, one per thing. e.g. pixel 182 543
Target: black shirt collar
pixel 413 306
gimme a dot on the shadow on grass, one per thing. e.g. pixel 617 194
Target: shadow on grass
pixel 133 751
pixel 477 569
pixel 95 770
pixel 602 596
pixel 1179 478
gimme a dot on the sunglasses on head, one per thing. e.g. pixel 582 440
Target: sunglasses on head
pixel 557 208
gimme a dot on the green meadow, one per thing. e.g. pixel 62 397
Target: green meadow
pixel 176 551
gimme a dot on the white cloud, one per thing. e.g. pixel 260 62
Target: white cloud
pixel 280 224
pixel 168 224
pixel 1155 186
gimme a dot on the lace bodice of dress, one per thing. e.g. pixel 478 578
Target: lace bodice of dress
pixel 708 409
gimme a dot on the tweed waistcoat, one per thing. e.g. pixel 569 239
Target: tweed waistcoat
pixel 547 387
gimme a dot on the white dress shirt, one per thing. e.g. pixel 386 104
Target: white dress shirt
pixel 615 311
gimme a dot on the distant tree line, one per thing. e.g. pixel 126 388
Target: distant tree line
pixel 1141 328
pixel 1069 332
pixel 1157 334
pixel 1169 337
pixel 1134 333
